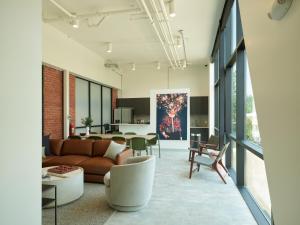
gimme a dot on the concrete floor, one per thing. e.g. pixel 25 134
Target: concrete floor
pixel 204 199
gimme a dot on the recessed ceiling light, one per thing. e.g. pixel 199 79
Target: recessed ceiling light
pixel 158 65
pixel 184 64
pixel 75 23
pixel 109 47
pixel 133 66
pixel 172 12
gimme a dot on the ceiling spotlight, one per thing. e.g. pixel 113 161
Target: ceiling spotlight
pixel 184 64
pixel 158 65
pixel 75 23
pixel 172 8
pixel 109 47
pixel 133 67
pixel 178 42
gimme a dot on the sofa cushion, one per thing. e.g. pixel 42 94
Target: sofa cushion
pixel 55 146
pixel 46 161
pixel 114 149
pixel 100 147
pixel 71 160
pixel 77 147
pixel 97 165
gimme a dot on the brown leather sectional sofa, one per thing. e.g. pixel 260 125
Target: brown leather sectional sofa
pixel 87 154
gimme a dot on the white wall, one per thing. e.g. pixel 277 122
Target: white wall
pixel 61 51
pixel 20 114
pixel 145 78
pixel 273 50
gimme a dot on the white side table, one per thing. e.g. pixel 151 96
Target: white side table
pixel 69 188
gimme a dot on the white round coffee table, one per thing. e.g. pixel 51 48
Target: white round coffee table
pixel 69 187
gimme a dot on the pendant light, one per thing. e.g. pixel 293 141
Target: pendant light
pixel 172 12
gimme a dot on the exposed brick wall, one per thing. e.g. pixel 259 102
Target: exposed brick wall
pixel 72 80
pixel 52 102
pixel 114 98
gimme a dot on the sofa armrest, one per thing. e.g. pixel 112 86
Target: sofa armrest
pixel 122 156
pixel 56 146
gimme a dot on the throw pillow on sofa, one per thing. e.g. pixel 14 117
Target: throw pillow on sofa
pixel 114 149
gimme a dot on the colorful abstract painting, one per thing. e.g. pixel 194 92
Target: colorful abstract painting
pixel 171 116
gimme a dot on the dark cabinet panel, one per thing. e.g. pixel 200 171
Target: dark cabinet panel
pixel 141 106
pixel 204 132
pixel 199 105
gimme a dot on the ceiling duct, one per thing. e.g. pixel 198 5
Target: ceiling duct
pixel 111 65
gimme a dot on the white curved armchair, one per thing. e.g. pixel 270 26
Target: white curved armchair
pixel 128 187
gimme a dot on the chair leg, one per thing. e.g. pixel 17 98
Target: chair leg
pixel 221 163
pixel 198 167
pixel 190 155
pixel 216 168
pixel 191 166
pixel 158 149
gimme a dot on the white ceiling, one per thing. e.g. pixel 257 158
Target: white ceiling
pixel 132 35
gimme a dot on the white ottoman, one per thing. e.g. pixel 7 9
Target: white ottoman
pixel 69 188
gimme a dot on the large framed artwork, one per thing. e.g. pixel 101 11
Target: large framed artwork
pixel 171 116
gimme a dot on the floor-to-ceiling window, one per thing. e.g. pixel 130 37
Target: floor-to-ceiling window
pixel 235 114
pixel 95 101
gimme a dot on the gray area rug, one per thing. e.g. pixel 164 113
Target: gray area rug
pixel 176 200
pixel 90 209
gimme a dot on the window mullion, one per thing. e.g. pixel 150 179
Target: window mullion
pixel 240 116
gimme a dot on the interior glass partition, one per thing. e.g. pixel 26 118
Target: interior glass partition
pixel 106 98
pixel 96 107
pixel 92 100
pixel 81 102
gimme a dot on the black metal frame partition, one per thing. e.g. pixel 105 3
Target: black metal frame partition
pixel 89 102
pixel 224 59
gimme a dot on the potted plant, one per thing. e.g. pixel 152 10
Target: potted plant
pixel 87 122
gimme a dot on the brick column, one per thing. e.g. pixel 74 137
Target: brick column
pixel 72 80
pixel 52 102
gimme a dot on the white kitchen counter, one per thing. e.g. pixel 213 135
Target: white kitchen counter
pixel 138 128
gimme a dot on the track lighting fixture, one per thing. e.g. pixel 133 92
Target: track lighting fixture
pixel 75 23
pixel 109 47
pixel 172 12
pixel 178 42
pixel 158 65
pixel 133 66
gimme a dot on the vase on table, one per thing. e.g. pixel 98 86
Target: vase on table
pixel 87 131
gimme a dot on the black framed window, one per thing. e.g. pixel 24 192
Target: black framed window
pixel 92 100
pixel 235 114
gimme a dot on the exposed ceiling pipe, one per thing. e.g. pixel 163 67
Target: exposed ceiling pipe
pixel 183 44
pixel 163 31
pixel 165 15
pixel 156 30
pixel 62 9
pixel 111 12
pixel 103 13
